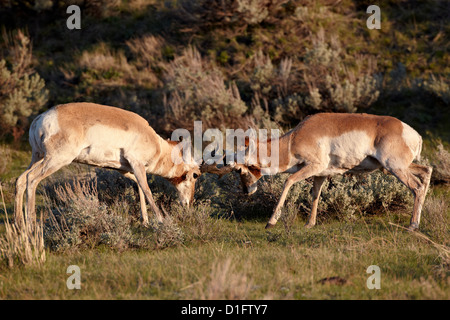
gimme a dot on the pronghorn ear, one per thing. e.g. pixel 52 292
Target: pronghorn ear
pixel 175 141
pixel 255 170
pixel 180 139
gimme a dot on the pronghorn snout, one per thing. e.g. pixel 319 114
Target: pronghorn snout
pixel 249 190
pixel 186 203
pixel 252 189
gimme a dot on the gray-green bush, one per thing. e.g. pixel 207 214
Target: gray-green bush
pixel 196 90
pixel 22 91
pixel 78 219
pixel 343 197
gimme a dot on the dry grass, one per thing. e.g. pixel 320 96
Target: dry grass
pixel 104 59
pixel 22 244
pixel 225 282
pixel 147 49
pixel 443 251
pixel 436 219
pixel 112 67
pixel 5 159
pixel 441 164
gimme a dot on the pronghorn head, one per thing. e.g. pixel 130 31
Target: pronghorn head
pixel 248 168
pixel 249 173
pixel 188 173
pixel 185 184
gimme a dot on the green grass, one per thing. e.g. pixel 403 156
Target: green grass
pixel 270 264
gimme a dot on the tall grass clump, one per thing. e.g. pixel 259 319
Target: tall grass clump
pixel 21 244
pixel 225 282
pixel 167 233
pixel 105 67
pixel 436 218
pixel 199 223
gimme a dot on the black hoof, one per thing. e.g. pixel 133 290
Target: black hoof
pixel 269 225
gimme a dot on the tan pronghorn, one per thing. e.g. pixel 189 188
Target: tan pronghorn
pixel 105 137
pixel 326 144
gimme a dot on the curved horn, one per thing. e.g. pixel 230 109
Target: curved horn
pixel 212 168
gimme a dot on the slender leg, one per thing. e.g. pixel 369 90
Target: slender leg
pixel 417 187
pixel 41 170
pixel 317 188
pixel 141 177
pixel 303 173
pixel 21 184
pixel 144 215
pixel 424 174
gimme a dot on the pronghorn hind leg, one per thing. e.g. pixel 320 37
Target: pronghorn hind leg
pixel 424 175
pixel 41 170
pixel 21 185
pixel 316 190
pixel 417 187
pixel 422 172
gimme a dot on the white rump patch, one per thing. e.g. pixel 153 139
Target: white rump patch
pixel 42 128
pixel 50 123
pixel 413 140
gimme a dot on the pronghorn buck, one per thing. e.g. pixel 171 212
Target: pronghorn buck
pixel 105 137
pixel 326 144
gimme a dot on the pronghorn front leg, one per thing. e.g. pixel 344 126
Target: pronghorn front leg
pixel 141 177
pixel 306 172
pixel 144 215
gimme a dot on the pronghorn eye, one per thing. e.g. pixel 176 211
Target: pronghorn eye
pixel 183 177
pixel 196 176
pixel 239 170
